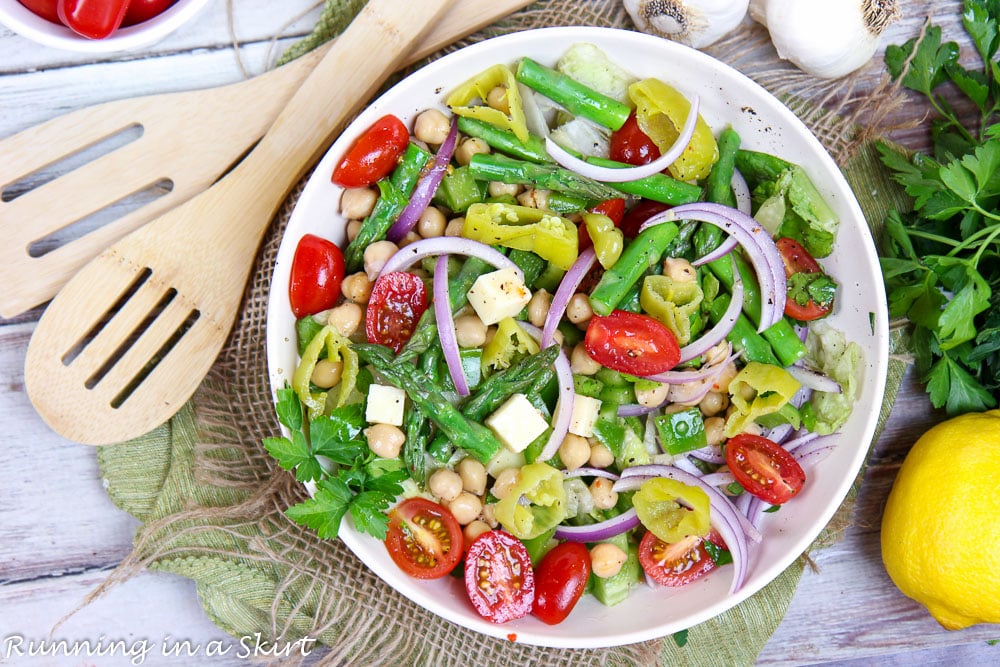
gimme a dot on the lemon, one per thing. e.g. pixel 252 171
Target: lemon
pixel 940 536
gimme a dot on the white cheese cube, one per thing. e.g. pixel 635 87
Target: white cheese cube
pixel 585 411
pixel 517 423
pixel 385 405
pixel 497 295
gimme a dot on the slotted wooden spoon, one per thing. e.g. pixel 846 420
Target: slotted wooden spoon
pixel 188 140
pixel 129 338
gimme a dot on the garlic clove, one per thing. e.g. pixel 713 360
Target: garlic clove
pixel 697 23
pixel 758 11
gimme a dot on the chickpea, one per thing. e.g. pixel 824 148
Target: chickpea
pixel 411 237
pixel 497 98
pixel 473 474
pixel 717 353
pixel 376 255
pixel 724 378
pixel 454 227
pixel 445 484
pixel 357 287
pixel 345 318
pixel 574 451
pixel 431 126
pixel 714 430
pixel 581 362
pixel 466 507
pixel 652 397
pixel 506 481
pixel 753 428
pixel 679 270
pixel 474 529
pixel 491 331
pixel 470 331
pixel 353 227
pixel 604 497
pixel 357 203
pixel 431 222
pixel 534 198
pixel 578 310
pixel 470 147
pixel 606 559
pixel 538 307
pixel 489 516
pixel 385 440
pixel 713 403
pixel 327 373
pixel 601 456
pixel 499 189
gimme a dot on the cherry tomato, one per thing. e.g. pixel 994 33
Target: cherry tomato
pixel 424 539
pixel 613 208
pixel 374 154
pixel 398 300
pixel 674 564
pixel 317 271
pixel 638 214
pixel 764 468
pixel 498 577
pixel 798 260
pixel 631 145
pixel 560 579
pixel 95 19
pixel 47 9
pixel 631 343
pixel 143 10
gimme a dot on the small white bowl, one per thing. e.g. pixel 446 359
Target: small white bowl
pixel 26 23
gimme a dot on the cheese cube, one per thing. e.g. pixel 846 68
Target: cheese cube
pixel 385 405
pixel 585 411
pixel 498 294
pixel 517 423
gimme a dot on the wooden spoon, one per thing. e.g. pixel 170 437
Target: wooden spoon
pixel 129 338
pixel 188 140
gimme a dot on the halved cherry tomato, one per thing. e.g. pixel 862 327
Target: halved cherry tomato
pixel 560 579
pixel 143 10
pixel 95 19
pixel 47 9
pixel 638 214
pixel 802 303
pixel 374 154
pixel 674 564
pixel 629 144
pixel 631 343
pixel 316 274
pixel 498 577
pixel 613 208
pixel 764 468
pixel 424 539
pixel 398 300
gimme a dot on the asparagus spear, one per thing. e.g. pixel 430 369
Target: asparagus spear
pixel 578 99
pixel 642 253
pixel 493 167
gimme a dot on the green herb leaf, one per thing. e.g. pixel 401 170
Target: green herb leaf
pixel 953 388
pixel 324 511
pixel 289 408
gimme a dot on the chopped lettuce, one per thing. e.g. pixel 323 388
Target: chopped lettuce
pixel 590 66
pixel 791 206
pixel 583 136
pixel 830 352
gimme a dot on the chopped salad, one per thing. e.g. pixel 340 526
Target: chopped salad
pixel 574 342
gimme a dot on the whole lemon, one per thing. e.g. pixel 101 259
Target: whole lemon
pixel 941 527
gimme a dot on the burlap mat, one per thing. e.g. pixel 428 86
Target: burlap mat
pixel 210 499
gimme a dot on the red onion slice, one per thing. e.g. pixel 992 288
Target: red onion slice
pixel 727 247
pixel 718 333
pixel 718 478
pixel 425 188
pixel 406 257
pixel 565 291
pixel 446 327
pixel 635 410
pixel 625 174
pixel 590 472
pixel 564 406
pixel 741 191
pixel 599 531
pixel 709 454
pixel 706 372
pixel 814 380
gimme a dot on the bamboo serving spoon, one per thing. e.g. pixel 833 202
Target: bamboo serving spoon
pixel 188 140
pixel 129 338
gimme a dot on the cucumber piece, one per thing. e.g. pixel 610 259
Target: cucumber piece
pixel 615 589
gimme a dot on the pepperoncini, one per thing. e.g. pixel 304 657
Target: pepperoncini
pixel 337 348
pixel 672 510
pixel 660 111
pixel 480 86
pixel 535 504
pixel 672 302
pixel 546 234
pixel 510 343
pixel 757 390
pixel 608 240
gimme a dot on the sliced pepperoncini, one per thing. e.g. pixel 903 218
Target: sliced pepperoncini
pixel 480 86
pixel 535 504
pixel 672 302
pixel 337 348
pixel 608 240
pixel 510 343
pixel 546 234
pixel 660 111
pixel 758 390
pixel 672 510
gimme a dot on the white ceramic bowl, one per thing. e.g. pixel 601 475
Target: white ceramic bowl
pixel 26 23
pixel 727 97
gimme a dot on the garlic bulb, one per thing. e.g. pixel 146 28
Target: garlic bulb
pixel 826 38
pixel 696 23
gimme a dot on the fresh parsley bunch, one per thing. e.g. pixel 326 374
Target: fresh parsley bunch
pixel 941 263
pixel 352 480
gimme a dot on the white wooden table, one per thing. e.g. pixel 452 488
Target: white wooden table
pixel 61 535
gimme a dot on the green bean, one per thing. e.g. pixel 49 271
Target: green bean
pixel 505 141
pixel 578 99
pixel 638 256
pixel 743 335
pixel 757 167
pixel 787 345
pixel 494 167
pixel 718 186
pixel 658 187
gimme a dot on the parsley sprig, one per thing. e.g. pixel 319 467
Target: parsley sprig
pixel 331 451
pixel 940 261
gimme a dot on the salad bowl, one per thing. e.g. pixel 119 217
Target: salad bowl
pixel 764 124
